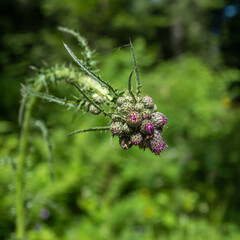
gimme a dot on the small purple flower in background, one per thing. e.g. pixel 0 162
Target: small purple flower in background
pixel 44 213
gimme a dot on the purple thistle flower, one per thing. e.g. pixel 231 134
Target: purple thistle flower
pixel 157 143
pixel 147 127
pixel 44 213
pixel 134 117
pixel 164 119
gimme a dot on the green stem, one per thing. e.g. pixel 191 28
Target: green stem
pixel 136 70
pixel 20 215
pixel 130 87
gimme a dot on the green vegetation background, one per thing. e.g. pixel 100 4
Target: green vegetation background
pixel 189 62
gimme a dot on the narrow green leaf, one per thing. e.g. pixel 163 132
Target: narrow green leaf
pixel 50 98
pixel 89 72
pixel 89 130
pixel 44 131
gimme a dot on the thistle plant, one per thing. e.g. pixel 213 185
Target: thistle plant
pixel 133 117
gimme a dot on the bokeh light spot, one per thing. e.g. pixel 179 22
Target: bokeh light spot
pixel 230 11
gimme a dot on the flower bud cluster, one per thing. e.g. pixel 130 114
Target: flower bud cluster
pixel 137 123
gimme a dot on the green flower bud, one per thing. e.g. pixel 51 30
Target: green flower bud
pixel 94 110
pixel 128 97
pixel 87 105
pixel 124 99
pixel 116 128
pixel 120 101
pixel 139 107
pixel 158 119
pixel 126 129
pixel 125 108
pixel 144 144
pixel 146 114
pixel 148 102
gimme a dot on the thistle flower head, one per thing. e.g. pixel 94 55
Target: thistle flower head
pixel 134 119
pixel 116 128
pixel 136 138
pixel 148 102
pixel 146 114
pixel 158 119
pixel 120 101
pixel 157 143
pixel 139 107
pixel 125 108
pixel 147 127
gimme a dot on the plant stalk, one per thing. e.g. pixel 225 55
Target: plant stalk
pixel 20 213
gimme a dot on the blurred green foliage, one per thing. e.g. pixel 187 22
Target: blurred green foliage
pixel 99 190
